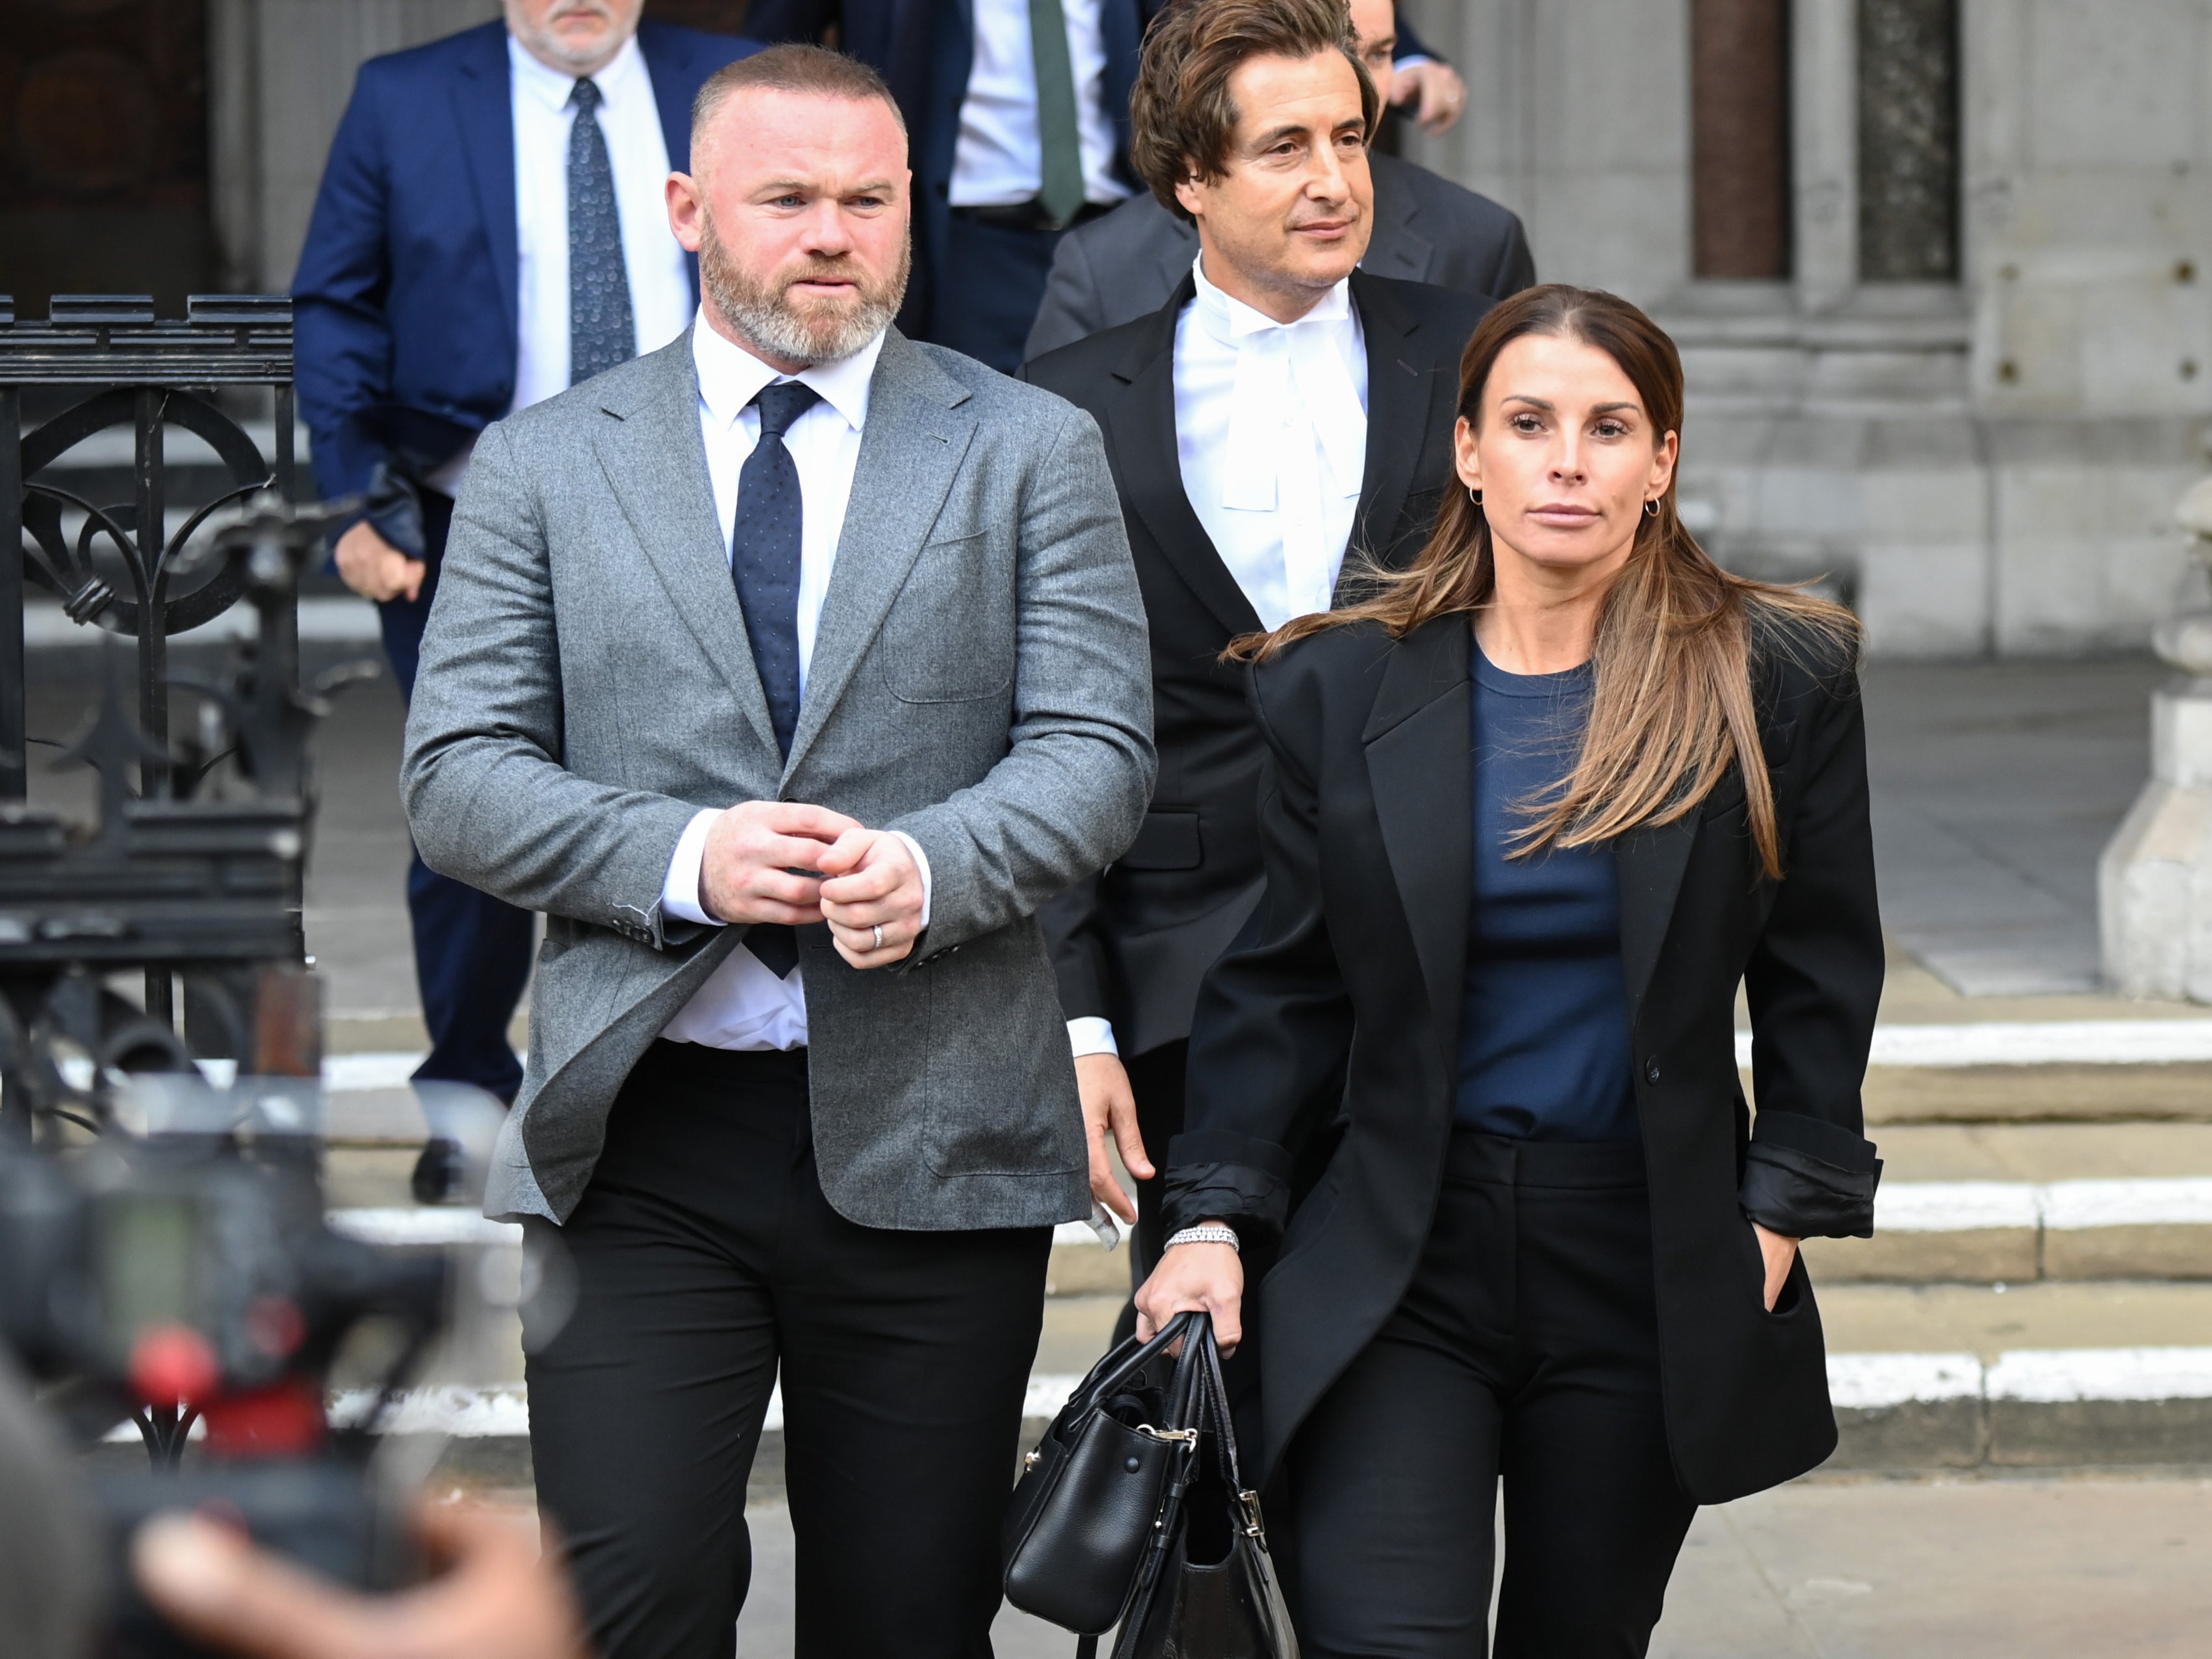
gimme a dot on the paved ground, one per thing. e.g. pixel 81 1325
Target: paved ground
pixel 1828 1568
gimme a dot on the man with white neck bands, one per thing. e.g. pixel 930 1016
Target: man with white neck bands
pixel 1282 416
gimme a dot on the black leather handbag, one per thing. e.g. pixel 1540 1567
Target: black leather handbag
pixel 1083 1514
pixel 1132 1511
pixel 1208 1589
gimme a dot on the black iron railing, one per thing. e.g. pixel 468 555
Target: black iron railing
pixel 116 566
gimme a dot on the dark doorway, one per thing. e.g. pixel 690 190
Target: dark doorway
pixel 103 150
pixel 1740 138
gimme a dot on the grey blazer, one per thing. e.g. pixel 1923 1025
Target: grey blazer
pixel 1427 229
pixel 979 680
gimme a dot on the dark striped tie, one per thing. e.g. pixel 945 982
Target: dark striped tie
pixel 601 332
pixel 764 562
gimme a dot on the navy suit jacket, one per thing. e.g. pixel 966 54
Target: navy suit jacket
pixel 404 306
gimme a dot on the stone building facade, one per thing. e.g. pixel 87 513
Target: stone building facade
pixel 1941 270
pixel 1956 351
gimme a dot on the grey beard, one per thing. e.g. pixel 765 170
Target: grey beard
pixel 772 327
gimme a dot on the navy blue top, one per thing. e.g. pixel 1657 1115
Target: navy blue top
pixel 1544 1051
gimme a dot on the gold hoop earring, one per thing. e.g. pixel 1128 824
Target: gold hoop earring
pixel 1652 508
pixel 1474 495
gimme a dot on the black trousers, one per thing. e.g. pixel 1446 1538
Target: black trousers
pixel 707 1259
pixel 1527 1348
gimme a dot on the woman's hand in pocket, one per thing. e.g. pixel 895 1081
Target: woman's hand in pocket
pixel 1195 1278
pixel 1778 1253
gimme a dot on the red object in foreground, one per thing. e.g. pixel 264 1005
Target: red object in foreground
pixel 282 1420
pixel 171 1364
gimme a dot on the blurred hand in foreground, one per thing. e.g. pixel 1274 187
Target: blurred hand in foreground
pixel 497 1596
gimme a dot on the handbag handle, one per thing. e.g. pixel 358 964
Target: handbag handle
pixel 1132 1356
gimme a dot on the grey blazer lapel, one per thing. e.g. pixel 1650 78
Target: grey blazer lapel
pixel 656 462
pixel 912 448
pixel 1419 738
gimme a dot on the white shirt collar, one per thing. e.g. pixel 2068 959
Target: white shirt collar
pixel 730 377
pixel 624 77
pixel 1229 320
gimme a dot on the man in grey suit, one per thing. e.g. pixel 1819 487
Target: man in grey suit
pixel 1426 229
pixel 788 670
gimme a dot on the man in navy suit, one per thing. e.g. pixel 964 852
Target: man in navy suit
pixel 1018 137
pixel 491 229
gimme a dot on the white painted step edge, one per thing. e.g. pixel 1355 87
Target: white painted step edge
pixel 1857 1381
pixel 1904 1206
pixel 416 1228
pixel 2057 1042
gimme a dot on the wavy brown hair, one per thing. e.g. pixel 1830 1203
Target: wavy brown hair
pixel 1677 636
pixel 1182 118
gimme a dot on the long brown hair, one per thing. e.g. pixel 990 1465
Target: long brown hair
pixel 1676 637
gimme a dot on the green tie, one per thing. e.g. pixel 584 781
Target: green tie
pixel 1059 143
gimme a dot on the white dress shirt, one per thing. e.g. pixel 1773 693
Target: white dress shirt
pixel 637 153
pixel 742 1005
pixel 998 159
pixel 1271 431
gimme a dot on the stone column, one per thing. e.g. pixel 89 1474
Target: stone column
pixel 2154 880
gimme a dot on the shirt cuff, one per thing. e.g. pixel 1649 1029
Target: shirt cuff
pixel 1414 61
pixel 922 863
pixel 680 891
pixel 1091 1035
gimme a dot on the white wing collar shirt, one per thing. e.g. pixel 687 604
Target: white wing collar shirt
pixel 1271 433
pixel 1271 430
pixel 742 1005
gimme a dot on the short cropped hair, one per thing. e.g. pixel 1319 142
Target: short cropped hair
pixel 1181 116
pixel 790 68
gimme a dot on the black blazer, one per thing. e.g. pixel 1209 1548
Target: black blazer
pixel 1132 942
pixel 1324 1058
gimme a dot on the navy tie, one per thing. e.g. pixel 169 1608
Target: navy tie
pixel 600 330
pixel 764 562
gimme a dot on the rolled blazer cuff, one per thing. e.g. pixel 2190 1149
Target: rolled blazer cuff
pixel 1801 1195
pixel 1217 1174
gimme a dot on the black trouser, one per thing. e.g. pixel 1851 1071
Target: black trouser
pixel 707 1257
pixel 1528 1347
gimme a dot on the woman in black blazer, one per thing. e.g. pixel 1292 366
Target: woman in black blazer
pixel 1531 814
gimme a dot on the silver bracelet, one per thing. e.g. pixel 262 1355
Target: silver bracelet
pixel 1205 1234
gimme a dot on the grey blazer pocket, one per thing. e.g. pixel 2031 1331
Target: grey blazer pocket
pixel 949 635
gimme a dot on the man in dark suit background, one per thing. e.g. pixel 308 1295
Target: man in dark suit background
pixel 476 246
pixel 1281 415
pixel 1426 230
pixel 1018 135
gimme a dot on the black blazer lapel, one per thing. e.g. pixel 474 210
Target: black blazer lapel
pixel 1651 861
pixel 1419 738
pixel 1404 395
pixel 1141 424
